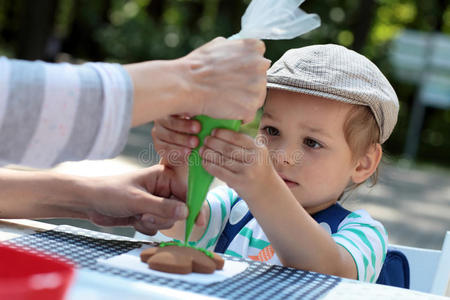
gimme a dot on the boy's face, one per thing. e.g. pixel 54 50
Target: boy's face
pixel 305 137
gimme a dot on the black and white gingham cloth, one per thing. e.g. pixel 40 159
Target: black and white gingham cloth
pixel 259 281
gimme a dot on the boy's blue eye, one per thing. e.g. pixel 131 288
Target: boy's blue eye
pixel 271 130
pixel 312 143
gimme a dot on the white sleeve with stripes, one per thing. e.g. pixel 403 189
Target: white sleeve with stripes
pixel 51 113
pixel 366 240
pixel 219 200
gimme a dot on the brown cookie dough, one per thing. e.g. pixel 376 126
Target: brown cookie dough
pixel 181 259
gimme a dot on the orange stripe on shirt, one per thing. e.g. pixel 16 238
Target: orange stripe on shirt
pixel 264 255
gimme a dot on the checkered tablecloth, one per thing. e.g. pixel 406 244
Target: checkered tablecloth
pixel 258 281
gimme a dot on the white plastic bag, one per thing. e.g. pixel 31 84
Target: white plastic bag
pixel 276 20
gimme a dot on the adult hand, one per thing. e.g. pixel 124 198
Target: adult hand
pixel 222 79
pixel 147 199
pixel 228 78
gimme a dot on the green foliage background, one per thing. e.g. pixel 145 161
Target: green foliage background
pixel 127 31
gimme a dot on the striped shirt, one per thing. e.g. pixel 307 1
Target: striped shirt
pixel 363 237
pixel 51 113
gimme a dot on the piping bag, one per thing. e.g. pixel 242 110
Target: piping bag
pixel 263 19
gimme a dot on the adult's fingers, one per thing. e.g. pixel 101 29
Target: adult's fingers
pixel 181 124
pixel 152 222
pixel 144 229
pixel 255 44
pixel 171 136
pixel 104 220
pixel 157 221
pixel 146 203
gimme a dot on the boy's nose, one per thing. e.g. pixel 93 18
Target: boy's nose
pixel 288 157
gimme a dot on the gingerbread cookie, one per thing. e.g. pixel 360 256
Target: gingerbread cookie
pixel 175 257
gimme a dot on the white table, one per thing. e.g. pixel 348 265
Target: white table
pixel 95 285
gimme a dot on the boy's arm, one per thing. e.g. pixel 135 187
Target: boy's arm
pixel 296 237
pixel 312 249
pixel 303 244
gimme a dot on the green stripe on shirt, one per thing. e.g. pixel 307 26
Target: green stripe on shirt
pixel 232 253
pixel 366 263
pixel 377 232
pixel 353 215
pixel 212 241
pixel 253 242
pixel 366 241
pixel 231 196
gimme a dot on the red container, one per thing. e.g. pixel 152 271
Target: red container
pixel 33 275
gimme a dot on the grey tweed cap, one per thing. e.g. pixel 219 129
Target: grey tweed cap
pixel 337 73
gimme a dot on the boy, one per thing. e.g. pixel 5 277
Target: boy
pixel 327 112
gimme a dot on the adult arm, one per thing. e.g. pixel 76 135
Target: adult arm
pixel 51 113
pixel 222 79
pixel 140 199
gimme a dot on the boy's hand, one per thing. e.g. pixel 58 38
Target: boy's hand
pixel 237 159
pixel 174 138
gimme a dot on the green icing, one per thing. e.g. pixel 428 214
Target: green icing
pixel 181 244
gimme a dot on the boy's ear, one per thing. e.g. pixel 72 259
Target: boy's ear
pixel 367 164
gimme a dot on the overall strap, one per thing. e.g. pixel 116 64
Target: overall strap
pixel 332 215
pixel 240 215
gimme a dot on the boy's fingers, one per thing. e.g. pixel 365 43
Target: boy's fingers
pixel 173 155
pixel 218 171
pixel 227 149
pixel 180 124
pixel 174 137
pixel 235 138
pixel 220 160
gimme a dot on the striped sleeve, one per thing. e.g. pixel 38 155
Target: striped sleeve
pixel 219 200
pixel 366 241
pixel 51 113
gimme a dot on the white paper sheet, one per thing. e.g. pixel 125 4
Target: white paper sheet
pixel 132 261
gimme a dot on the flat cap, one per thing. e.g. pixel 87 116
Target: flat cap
pixel 337 73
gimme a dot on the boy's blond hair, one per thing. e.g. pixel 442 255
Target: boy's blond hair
pixel 361 132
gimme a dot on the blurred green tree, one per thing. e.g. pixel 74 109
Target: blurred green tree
pixel 134 30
